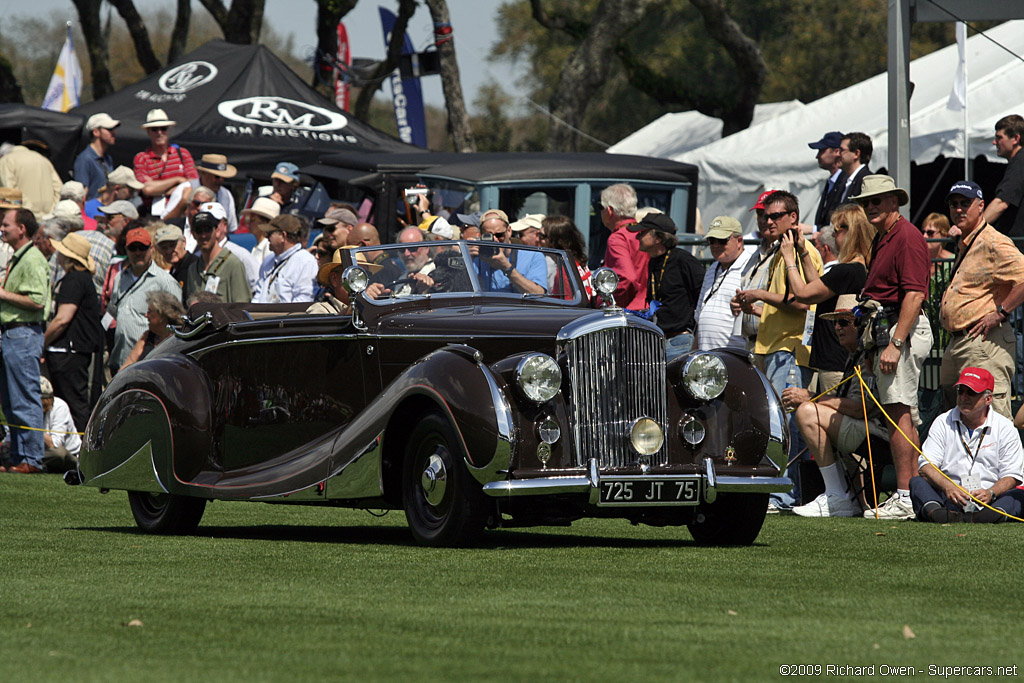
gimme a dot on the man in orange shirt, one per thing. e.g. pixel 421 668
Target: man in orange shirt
pixel 987 283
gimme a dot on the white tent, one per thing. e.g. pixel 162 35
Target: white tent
pixel 673 134
pixel 774 154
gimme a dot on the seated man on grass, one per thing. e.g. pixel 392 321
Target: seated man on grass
pixel 970 449
pixel 836 423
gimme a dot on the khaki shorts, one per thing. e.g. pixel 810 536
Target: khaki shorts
pixel 851 434
pixel 902 385
pixel 994 353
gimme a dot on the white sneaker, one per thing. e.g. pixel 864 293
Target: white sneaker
pixel 835 505
pixel 773 509
pixel 893 508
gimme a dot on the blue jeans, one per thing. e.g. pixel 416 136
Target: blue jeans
pixel 677 346
pixel 22 347
pixel 777 366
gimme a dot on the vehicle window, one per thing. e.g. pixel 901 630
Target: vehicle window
pixel 550 201
pixel 467 267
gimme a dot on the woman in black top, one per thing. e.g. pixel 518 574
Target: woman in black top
pixel 74 337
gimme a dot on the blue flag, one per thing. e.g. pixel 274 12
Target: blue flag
pixel 406 93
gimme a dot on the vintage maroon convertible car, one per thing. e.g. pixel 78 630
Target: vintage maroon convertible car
pixel 448 396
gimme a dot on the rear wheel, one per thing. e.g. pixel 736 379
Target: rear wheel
pixel 733 519
pixel 163 513
pixel 443 503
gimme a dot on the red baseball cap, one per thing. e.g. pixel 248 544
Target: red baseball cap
pixel 977 380
pixel 138 236
pixel 760 200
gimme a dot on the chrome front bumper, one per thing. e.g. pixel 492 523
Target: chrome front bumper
pixel 711 484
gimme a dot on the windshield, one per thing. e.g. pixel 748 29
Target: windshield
pixel 472 267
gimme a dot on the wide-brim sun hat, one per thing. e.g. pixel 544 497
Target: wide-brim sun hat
pixel 75 247
pixel 324 272
pixel 877 185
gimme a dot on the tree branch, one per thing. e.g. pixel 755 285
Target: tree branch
pixel 140 36
pixel 406 8
pixel 97 44
pixel 560 22
pixel 458 119
pixel 179 36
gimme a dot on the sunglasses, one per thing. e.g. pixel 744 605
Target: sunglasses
pixel 137 247
pixel 159 129
pixel 718 241
pixel 202 229
pixel 872 201
pixel 776 216
pixel 961 390
pixel 842 322
pixel 931 232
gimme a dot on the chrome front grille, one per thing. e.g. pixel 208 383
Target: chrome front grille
pixel 617 376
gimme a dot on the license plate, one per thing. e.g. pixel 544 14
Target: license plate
pixel 639 492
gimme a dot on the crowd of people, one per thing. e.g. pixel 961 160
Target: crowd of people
pixel 98 267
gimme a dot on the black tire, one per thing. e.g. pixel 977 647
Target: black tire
pixel 733 519
pixel 163 513
pixel 453 515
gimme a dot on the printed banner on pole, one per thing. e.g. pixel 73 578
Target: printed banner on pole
pixel 344 58
pixel 66 84
pixel 406 94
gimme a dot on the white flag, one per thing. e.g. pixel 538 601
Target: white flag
pixel 958 95
pixel 66 84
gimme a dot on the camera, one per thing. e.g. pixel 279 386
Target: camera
pixel 794 234
pixel 487 252
pixel 413 194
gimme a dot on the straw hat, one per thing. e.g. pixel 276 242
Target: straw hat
pixel 844 306
pixel 75 247
pixel 11 198
pixel 875 185
pixel 157 118
pixel 216 164
pixel 264 206
pixel 325 270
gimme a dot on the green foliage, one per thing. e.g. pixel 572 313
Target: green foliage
pixel 267 592
pixel 33 44
pixel 812 48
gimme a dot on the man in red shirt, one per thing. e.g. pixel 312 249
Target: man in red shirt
pixel 898 280
pixel 163 166
pixel 623 255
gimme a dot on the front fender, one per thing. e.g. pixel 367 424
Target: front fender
pixel 154 417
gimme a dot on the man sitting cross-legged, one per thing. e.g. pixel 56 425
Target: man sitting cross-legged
pixel 836 423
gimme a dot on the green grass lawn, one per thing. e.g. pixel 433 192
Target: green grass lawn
pixel 291 593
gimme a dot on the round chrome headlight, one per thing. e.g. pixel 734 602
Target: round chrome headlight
pixel 646 436
pixel 705 376
pixel 604 281
pixel 692 430
pixel 538 377
pixel 355 279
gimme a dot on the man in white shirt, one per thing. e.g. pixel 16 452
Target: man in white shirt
pixel 60 439
pixel 972 450
pixel 287 275
pixel 715 320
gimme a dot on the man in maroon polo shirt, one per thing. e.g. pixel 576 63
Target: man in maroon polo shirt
pixel 898 280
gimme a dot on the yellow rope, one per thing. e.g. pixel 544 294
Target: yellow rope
pixel 867 437
pixel 39 429
pixel 968 493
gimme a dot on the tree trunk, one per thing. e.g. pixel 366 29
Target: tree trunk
pixel 406 8
pixel 140 36
pixel 455 105
pixel 97 44
pixel 242 23
pixel 10 91
pixel 179 36
pixel 586 68
pixel 747 57
pixel 328 14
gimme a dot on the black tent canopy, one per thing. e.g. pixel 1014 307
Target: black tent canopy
pixel 60 132
pixel 243 102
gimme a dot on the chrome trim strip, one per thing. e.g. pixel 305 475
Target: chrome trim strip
pixel 595 322
pixel 532 487
pixel 199 353
pixel 502 458
pixel 755 484
pixel 776 415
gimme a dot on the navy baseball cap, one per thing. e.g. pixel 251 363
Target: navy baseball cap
pixel 965 188
pixel 829 141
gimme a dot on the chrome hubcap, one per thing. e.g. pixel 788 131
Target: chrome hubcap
pixel 434 480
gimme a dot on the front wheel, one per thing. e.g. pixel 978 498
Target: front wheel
pixel 733 519
pixel 164 513
pixel 443 503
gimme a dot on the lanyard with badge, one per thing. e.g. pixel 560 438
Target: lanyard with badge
pixel 972 481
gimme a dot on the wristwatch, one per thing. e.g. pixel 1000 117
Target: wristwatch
pixel 508 271
pixel 1002 312
pixel 898 343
